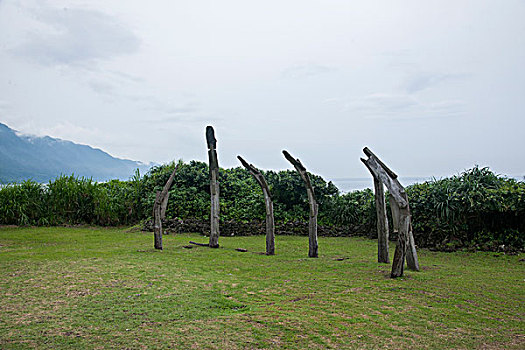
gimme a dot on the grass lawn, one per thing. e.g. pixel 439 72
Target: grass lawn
pixel 107 288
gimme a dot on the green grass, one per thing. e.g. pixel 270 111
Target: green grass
pixel 107 288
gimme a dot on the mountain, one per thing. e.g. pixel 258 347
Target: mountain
pixel 44 158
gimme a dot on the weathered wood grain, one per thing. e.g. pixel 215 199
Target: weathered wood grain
pixel 312 236
pixel 214 187
pixel 401 246
pixel 393 185
pixel 400 214
pixel 412 260
pixel 270 223
pixel 369 154
pixel 157 228
pixel 394 208
pixel 159 209
pixel 382 222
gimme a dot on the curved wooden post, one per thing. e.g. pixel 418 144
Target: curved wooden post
pixel 214 187
pixel 270 225
pixel 400 212
pixel 159 209
pixel 314 207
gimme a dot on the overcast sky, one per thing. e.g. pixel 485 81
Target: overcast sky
pixel 432 87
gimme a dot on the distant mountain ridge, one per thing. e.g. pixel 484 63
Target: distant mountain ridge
pixel 42 159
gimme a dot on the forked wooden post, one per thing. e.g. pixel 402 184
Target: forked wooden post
pixel 400 213
pixel 214 187
pixel 270 225
pixel 314 207
pixel 159 209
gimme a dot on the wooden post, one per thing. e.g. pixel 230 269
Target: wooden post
pixel 382 223
pixel 411 256
pixel 394 208
pixel 157 224
pixel 270 225
pixel 382 219
pixel 214 187
pixel 314 207
pixel 402 220
pixel 164 206
pixel 159 210
pixel 401 246
pixel 412 261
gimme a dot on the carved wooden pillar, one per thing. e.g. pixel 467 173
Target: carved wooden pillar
pixel 214 187
pixel 270 225
pixel 400 213
pixel 159 210
pixel 314 207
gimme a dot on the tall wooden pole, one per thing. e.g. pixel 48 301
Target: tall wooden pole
pixel 314 207
pixel 214 187
pixel 270 225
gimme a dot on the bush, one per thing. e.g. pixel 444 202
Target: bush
pixel 474 208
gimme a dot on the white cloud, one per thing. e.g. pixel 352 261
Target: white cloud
pixel 306 70
pixel 402 107
pixel 102 87
pixel 424 80
pixel 142 80
pixel 67 131
pixel 70 36
pixel 4 106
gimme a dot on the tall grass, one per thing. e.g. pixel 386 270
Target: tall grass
pixel 70 200
pixel 23 204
